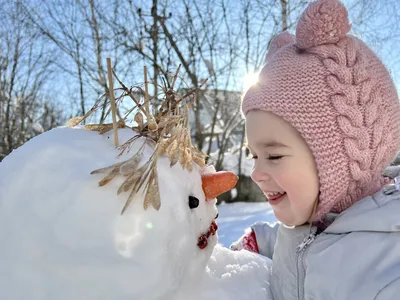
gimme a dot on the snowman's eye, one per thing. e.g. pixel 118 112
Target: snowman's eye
pixel 193 202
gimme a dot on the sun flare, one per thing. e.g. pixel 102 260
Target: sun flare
pixel 249 80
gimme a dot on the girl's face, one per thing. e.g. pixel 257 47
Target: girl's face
pixel 284 167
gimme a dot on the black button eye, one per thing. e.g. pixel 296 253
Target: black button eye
pixel 193 202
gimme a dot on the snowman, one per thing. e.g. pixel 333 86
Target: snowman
pixel 82 219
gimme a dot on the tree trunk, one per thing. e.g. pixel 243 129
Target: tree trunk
pixel 284 14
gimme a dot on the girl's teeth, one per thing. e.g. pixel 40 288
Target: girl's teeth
pixel 274 194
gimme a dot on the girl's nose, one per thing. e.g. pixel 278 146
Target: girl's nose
pixel 258 175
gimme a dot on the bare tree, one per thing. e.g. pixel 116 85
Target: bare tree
pixel 25 68
pixel 67 25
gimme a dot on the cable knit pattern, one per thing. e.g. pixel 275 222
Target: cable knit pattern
pixel 340 98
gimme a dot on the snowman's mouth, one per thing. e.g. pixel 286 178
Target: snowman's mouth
pixel 202 242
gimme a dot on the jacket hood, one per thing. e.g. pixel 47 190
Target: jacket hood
pixel 377 213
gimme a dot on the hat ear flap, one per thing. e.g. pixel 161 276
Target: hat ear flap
pixel 322 22
pixel 279 41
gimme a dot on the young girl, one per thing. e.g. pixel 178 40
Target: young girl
pixel 322 123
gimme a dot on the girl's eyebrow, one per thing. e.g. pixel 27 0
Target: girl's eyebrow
pixel 271 144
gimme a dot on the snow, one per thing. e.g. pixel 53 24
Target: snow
pixel 234 218
pixel 235 275
pixel 63 237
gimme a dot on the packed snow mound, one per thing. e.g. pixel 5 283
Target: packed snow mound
pixel 63 237
pixel 236 275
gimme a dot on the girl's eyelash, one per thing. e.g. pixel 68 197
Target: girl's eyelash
pixel 270 157
pixel 274 157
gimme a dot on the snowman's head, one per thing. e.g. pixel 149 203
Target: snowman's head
pixel 179 237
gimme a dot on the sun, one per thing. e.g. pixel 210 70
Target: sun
pixel 249 80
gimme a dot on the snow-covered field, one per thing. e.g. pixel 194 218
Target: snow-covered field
pixel 236 217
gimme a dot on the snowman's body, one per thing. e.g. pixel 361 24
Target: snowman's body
pixel 63 237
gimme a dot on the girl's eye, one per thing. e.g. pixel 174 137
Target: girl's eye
pixel 251 156
pixel 274 157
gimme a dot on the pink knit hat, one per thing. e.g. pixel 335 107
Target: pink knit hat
pixel 339 96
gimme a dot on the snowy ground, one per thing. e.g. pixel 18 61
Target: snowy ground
pixel 236 217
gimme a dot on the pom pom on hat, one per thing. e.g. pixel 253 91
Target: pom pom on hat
pixel 279 41
pixel 323 22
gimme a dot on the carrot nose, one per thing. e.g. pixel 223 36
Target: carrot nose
pixel 215 184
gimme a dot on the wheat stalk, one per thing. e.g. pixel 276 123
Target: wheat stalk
pixel 112 99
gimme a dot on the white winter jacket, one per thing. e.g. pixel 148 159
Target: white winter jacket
pixel 356 258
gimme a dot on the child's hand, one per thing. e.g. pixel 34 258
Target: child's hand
pixel 259 238
pixel 247 241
